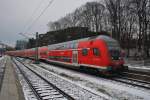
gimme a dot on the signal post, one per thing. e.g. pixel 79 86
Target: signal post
pixel 37 49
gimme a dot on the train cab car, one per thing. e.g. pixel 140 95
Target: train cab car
pixel 101 52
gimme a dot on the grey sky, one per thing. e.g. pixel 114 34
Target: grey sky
pixel 14 15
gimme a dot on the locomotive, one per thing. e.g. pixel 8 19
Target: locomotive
pixel 102 53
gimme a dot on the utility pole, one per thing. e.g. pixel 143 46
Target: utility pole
pixel 36 49
pixel 36 57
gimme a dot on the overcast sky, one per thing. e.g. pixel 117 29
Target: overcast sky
pixel 15 16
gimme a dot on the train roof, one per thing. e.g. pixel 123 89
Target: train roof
pixel 107 39
pixel 103 37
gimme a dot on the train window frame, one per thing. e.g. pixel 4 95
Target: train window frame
pixel 84 51
pixel 68 46
pixel 96 51
pixel 65 46
pixel 71 45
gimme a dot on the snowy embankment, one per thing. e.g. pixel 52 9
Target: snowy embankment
pixel 113 89
pixel 1 58
pixel 138 65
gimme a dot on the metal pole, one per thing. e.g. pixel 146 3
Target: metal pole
pixel 37 51
pixel 144 49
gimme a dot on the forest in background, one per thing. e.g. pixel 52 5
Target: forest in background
pixel 127 20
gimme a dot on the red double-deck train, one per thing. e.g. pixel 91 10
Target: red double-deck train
pixel 102 53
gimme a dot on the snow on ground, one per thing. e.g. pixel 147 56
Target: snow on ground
pixel 138 65
pixel 113 89
pixel 1 58
pixel 28 94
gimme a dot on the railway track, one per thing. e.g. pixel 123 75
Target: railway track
pixel 132 77
pixel 133 82
pixel 42 89
pixel 76 92
pixel 140 74
pixel 139 79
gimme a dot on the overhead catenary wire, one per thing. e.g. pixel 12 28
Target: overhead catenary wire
pixel 24 35
pixel 32 24
pixel 31 16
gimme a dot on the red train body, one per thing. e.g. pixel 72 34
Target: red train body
pixel 101 52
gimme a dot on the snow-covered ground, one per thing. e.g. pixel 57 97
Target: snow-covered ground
pixel 138 65
pixel 1 58
pixel 28 94
pixel 113 89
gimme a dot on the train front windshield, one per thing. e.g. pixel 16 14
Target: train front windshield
pixel 114 49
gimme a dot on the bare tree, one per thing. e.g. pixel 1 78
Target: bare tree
pixel 141 9
pixel 115 8
pixel 92 15
pixel 54 26
pixel 127 20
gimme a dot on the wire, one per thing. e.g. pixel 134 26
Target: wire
pixel 31 16
pixel 50 2
pixel 24 35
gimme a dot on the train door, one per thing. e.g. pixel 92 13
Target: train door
pixel 75 57
pixel 96 56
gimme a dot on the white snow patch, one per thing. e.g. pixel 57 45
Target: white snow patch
pixel 112 88
pixel 84 87
pixel 100 85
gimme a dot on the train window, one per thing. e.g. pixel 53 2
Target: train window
pixel 96 52
pixel 68 45
pixel 65 46
pixel 71 45
pixel 84 52
pixel 75 45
